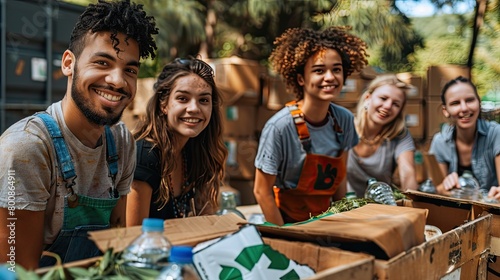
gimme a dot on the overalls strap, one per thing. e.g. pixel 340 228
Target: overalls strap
pixel 64 157
pixel 300 124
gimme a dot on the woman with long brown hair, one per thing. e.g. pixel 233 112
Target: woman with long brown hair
pixel 180 151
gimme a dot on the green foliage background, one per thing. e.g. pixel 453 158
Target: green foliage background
pixel 397 43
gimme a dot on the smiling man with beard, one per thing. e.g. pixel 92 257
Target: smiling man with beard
pixel 67 170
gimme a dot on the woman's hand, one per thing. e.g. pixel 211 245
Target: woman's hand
pixel 494 192
pixel 451 181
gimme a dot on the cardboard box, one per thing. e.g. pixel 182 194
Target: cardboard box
pixel 349 105
pixel 239 121
pixel 245 188
pixel 380 230
pixel 239 80
pixel 414 118
pixel 352 90
pixel 276 94
pixel 459 253
pixel 433 116
pixel 438 76
pixel 263 115
pixel 417 91
pixel 240 160
pixel 330 263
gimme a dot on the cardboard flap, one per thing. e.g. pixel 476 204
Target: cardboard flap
pixel 393 229
pixel 418 195
pixel 187 231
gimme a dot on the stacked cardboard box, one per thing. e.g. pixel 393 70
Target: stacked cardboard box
pixel 437 77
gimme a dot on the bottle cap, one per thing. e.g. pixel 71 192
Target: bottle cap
pixel 350 195
pixel 371 180
pixel 181 254
pixel 152 224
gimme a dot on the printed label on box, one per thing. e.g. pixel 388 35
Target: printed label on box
pixel 243 255
pixel 411 120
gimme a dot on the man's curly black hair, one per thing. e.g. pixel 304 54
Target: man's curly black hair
pixel 116 17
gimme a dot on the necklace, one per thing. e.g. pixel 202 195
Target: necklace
pixel 179 204
pixel 371 142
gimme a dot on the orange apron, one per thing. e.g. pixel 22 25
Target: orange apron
pixel 319 179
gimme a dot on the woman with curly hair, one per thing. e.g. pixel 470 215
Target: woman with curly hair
pixel 385 142
pixel 301 160
pixel 180 151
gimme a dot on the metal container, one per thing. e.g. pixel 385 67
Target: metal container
pixel 34 35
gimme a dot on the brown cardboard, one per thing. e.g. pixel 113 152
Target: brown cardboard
pixel 187 231
pixel 137 109
pixel 352 89
pixel 470 210
pixel 239 80
pixel 433 116
pixel 349 105
pixel 240 160
pixel 414 118
pixel 383 230
pixel 417 91
pixel 245 188
pixel 464 244
pixel 439 75
pixel 263 115
pixel 329 263
pixel 432 168
pixel 276 94
pixel 239 121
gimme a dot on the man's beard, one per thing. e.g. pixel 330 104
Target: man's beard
pixel 87 109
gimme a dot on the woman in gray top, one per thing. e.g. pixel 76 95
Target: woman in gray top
pixel 385 143
pixel 468 142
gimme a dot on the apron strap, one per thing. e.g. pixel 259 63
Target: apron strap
pixel 300 124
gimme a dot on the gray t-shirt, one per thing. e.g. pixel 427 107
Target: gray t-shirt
pixel 26 148
pixel 486 148
pixel 380 165
pixel 281 153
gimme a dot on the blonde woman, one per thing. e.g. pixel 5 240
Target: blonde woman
pixel 385 142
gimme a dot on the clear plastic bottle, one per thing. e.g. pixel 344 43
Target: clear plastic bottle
pixel 151 249
pixel 180 266
pixel 469 187
pixel 228 205
pixel 379 192
pixel 427 186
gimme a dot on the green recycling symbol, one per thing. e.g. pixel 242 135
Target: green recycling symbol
pixel 250 256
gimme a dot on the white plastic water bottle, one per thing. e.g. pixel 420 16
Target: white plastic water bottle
pixel 380 192
pixel 180 266
pixel 151 249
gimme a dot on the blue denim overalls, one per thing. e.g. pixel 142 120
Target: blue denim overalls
pixel 81 213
